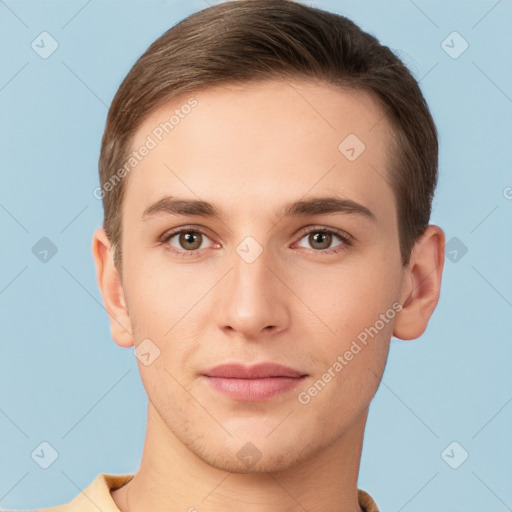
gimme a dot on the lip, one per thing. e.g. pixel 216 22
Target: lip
pixel 257 371
pixel 253 383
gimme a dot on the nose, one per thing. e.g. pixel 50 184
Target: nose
pixel 253 299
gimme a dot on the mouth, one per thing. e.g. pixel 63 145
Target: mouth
pixel 253 383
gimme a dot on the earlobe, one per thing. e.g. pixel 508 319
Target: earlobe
pixel 422 284
pixel 110 285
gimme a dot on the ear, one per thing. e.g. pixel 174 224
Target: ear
pixel 111 288
pixel 421 284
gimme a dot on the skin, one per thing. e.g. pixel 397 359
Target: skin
pixel 249 150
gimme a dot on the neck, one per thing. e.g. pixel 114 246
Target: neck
pixel 172 477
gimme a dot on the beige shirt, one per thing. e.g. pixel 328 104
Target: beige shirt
pixel 96 496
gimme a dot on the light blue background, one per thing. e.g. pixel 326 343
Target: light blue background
pixel 64 381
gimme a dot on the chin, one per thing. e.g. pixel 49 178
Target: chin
pixel 252 455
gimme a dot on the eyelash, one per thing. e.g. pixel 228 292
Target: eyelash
pixel 344 237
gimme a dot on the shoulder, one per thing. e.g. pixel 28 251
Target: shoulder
pixel 95 496
pixel 366 502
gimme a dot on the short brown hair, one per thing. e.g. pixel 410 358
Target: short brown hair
pixel 243 41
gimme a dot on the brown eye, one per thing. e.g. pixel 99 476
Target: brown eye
pixel 187 241
pixel 190 240
pixel 321 238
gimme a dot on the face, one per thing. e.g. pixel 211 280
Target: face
pixel 273 276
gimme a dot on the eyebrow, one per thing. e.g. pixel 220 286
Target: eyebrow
pixel 315 206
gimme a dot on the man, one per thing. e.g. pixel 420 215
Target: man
pixel 267 173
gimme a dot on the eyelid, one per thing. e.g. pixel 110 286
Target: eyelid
pixel 318 227
pixel 346 239
pixel 189 227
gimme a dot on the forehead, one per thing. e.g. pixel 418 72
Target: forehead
pixel 245 146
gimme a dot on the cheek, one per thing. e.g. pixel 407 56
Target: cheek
pixel 346 298
pixel 350 365
pixel 352 348
pixel 166 307
pixel 162 293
